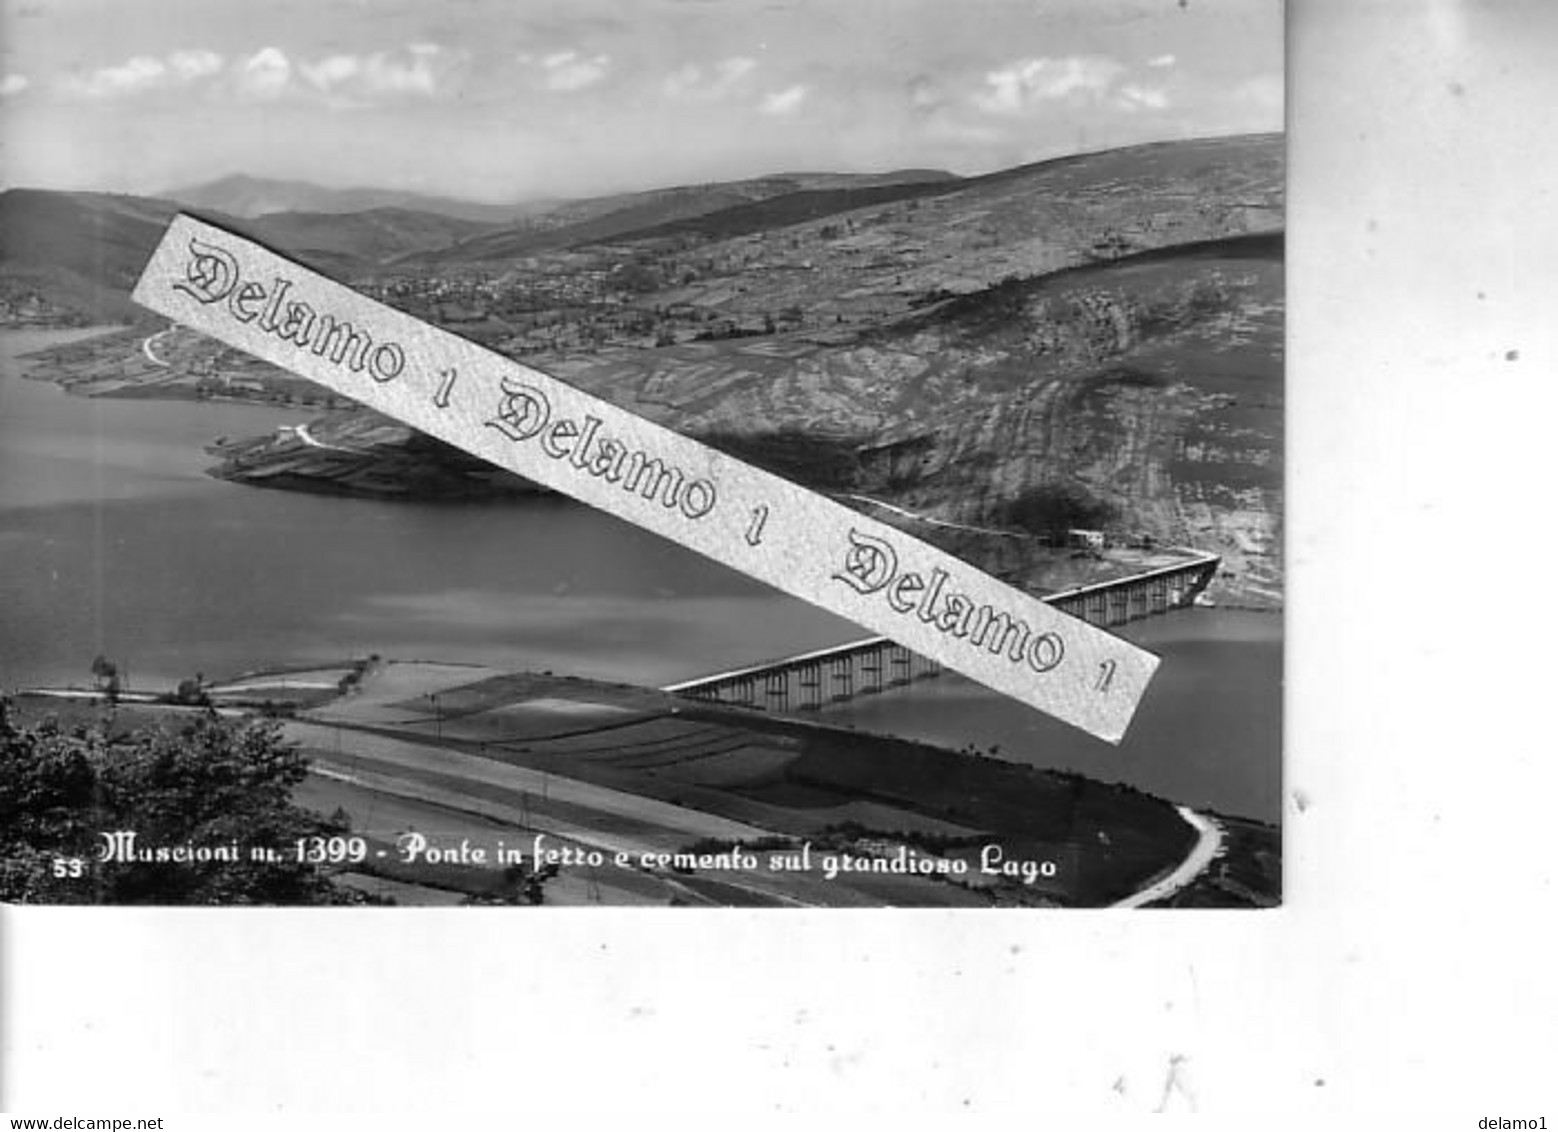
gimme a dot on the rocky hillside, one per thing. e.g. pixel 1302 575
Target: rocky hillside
pixel 1143 396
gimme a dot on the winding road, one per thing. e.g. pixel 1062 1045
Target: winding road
pixel 1209 843
pixel 301 432
pixel 929 520
pixel 151 355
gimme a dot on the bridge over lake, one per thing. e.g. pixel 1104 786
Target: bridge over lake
pixel 859 668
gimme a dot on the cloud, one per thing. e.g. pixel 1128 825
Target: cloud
pixel 388 74
pixel 731 70
pixel 333 71
pixel 13 84
pixel 568 70
pixel 187 66
pixel 1027 83
pixel 1133 97
pixel 709 83
pixel 143 72
pixel 784 101
pixel 354 79
pixel 1162 61
pixel 270 73
pixel 265 74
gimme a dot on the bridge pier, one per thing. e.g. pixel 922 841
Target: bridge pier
pixel 777 692
pixel 871 667
pixel 811 686
pixel 843 677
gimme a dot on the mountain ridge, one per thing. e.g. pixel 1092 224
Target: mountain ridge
pixel 248 197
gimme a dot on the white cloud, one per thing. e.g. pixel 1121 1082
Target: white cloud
pixel 265 74
pixel 568 70
pixel 1133 97
pixel 386 74
pixel 191 65
pixel 1162 61
pixel 709 83
pixel 732 69
pixel 1026 83
pixel 784 101
pixel 13 84
pixel 349 79
pixel 140 73
pixel 269 73
pixel 143 73
pixel 332 71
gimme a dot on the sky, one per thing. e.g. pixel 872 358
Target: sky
pixel 504 100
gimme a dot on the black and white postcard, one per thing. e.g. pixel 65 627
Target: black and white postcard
pixel 997 283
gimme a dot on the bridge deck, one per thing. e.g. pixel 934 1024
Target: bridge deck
pixel 870 665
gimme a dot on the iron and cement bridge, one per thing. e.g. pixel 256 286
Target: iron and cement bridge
pixel 860 668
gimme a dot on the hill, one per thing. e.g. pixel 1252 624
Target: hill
pixel 590 220
pixel 1143 395
pixel 363 239
pixel 250 197
pixel 80 251
pixel 871 257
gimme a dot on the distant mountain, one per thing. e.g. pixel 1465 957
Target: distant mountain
pixel 254 197
pixel 869 253
pixel 845 247
pixel 251 197
pixel 663 205
pixel 84 251
pixel 562 224
pixel 969 233
pixel 362 238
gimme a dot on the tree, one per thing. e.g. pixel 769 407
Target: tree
pixel 103 669
pixel 193 691
pixel 1053 509
pixel 205 782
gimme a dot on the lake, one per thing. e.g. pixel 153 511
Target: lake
pixel 113 541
